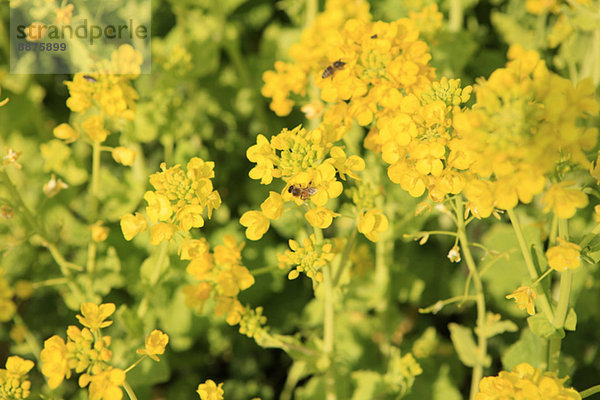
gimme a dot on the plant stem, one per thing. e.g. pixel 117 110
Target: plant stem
pixel 480 299
pixel 129 391
pixel 589 392
pixel 543 300
pixel 132 366
pixel 344 258
pixel 456 15
pixel 162 255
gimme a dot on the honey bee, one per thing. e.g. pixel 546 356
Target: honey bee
pixel 302 193
pixel 330 70
pixel 90 78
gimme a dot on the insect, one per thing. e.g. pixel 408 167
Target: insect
pixel 90 78
pixel 330 70
pixel 302 193
pixel 374 36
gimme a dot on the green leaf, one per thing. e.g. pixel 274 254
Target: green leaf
pixel 369 385
pixel 494 326
pixel 540 326
pixel 571 321
pixel 462 338
pixel 529 348
pixel 443 387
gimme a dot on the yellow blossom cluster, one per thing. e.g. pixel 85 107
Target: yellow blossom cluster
pixel 309 165
pixel 525 120
pixel 178 202
pixel 525 382
pixel 219 273
pixel 13 379
pixel 86 352
pixel 311 55
pixel 308 258
pixel 538 7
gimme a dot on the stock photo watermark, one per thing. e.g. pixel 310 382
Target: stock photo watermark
pixel 80 37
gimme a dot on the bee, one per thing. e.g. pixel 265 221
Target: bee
pixel 302 193
pixel 90 78
pixel 330 70
pixel 374 36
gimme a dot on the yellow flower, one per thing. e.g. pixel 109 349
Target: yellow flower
pixel 104 385
pixel 196 295
pixel 94 316
pixel 345 165
pixel 372 223
pixel 563 201
pixel 564 256
pixel 99 232
pixel 272 207
pixel 257 224
pixel 525 382
pixel 193 248
pixel 308 258
pixel 524 296
pixel 66 133
pixel 320 217
pixel 235 279
pixel 231 307
pixel 131 225
pixel 209 390
pixel 155 344
pixel 94 126
pixel 161 232
pixel 54 361
pixel 64 14
pixel 159 207
pixel 123 155
pixel 13 380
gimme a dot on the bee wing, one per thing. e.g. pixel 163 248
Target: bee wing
pixel 311 190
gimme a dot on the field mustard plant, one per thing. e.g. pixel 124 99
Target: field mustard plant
pixel 14 383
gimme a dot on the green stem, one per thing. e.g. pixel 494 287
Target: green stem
pixel 543 300
pixel 328 324
pixel 162 255
pixel 132 366
pixel 263 270
pixel 553 230
pixel 541 278
pixel 480 299
pixel 435 308
pixel 129 391
pixel 344 259
pixel 49 282
pixel 95 180
pixel 456 15
pixel 589 392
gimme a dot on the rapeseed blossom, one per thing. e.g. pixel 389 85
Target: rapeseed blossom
pixel 209 390
pixel 525 382
pixel 13 379
pixel 155 344
pixel 565 255
pixel 524 298
pixel 525 120
pixel 309 258
pixel 179 201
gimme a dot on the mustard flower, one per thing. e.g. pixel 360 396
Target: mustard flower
pixel 99 232
pixel 93 316
pixel 104 385
pixel 209 390
pixel 257 224
pixel 371 223
pixel 272 207
pixel 524 298
pixel 252 324
pixel 155 344
pixel 54 186
pixel 232 281
pixel 54 360
pixel 565 255
pixel 123 155
pixel 523 382
pixel 66 133
pixel 161 232
pixel 196 295
pixel 454 254
pixel 193 248
pixel 231 308
pixel 320 217
pixel 131 225
pixel 94 127
pixel 159 208
pixel 13 380
pixel 563 201
pixel 308 258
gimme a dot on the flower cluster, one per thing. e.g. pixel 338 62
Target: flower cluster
pixel 309 165
pixel 87 352
pixel 526 119
pixel 13 379
pixel 219 274
pixel 308 258
pixel 102 101
pixel 525 382
pixel 178 202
